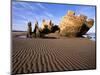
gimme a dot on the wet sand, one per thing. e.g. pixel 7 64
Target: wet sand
pixel 30 55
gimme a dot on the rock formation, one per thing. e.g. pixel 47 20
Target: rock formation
pixel 50 25
pixel 29 30
pixel 47 24
pixel 74 26
pixel 36 30
pixel 44 24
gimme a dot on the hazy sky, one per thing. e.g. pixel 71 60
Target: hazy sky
pixel 23 12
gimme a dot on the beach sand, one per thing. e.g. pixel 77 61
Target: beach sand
pixel 36 55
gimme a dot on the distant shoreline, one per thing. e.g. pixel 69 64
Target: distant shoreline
pixel 23 34
pixel 18 31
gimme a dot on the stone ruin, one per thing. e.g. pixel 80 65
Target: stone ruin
pixel 74 26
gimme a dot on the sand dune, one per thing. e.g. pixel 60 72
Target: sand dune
pixel 51 55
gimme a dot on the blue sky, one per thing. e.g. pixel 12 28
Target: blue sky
pixel 23 12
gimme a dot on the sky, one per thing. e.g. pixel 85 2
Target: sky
pixel 24 12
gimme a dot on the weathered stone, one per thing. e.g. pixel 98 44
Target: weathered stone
pixel 36 30
pixel 50 25
pixel 47 24
pixel 29 30
pixel 90 22
pixel 73 26
pixel 44 24
pixel 70 13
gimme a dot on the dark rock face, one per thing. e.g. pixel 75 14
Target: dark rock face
pixel 75 26
pixel 55 28
pixel 29 30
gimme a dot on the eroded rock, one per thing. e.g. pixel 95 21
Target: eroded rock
pixel 74 26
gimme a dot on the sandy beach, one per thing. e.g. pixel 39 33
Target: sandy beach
pixel 36 55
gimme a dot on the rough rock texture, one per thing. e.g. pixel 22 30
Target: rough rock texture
pixel 74 26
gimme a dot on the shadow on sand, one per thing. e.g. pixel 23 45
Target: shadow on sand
pixel 49 37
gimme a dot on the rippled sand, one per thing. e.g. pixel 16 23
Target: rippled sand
pixel 52 55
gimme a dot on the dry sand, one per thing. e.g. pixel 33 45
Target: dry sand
pixel 51 55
